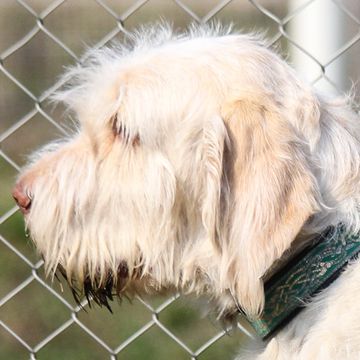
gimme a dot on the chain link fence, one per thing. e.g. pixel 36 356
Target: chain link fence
pixel 38 319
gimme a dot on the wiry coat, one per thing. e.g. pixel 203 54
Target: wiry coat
pixel 199 160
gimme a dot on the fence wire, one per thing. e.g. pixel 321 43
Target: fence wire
pixel 40 16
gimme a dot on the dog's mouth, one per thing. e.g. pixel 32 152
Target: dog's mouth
pixel 100 291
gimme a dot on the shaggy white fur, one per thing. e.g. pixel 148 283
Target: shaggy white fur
pixel 200 158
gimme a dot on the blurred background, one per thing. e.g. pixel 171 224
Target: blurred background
pixel 38 38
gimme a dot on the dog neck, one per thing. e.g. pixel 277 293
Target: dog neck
pixel 310 271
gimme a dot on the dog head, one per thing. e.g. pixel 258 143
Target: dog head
pixel 191 169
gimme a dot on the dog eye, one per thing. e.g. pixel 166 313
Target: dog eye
pixel 120 131
pixel 114 125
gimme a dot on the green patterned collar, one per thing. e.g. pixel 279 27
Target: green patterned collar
pixel 314 269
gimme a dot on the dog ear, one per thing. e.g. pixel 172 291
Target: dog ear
pixel 272 194
pixel 214 180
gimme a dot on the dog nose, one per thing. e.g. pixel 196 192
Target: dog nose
pixel 22 197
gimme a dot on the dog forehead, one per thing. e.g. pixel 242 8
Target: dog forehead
pixel 148 79
pixel 191 55
pixel 174 77
pixel 173 58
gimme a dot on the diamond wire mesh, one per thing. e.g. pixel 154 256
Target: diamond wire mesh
pixel 23 256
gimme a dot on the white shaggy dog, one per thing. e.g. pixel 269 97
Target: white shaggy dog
pixel 200 160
